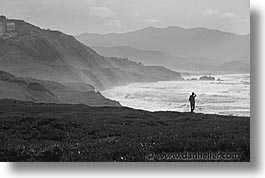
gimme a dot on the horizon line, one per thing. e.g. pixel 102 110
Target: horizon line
pixel 139 29
pixel 171 26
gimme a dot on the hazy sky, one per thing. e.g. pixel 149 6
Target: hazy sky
pixel 104 16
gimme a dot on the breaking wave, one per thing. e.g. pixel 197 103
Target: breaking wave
pixel 230 96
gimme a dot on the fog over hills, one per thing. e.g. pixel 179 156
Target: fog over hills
pixel 187 49
pixel 55 56
pixel 152 57
pixel 41 91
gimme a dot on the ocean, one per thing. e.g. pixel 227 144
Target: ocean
pixel 228 96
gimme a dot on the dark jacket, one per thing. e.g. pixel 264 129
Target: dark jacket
pixel 192 98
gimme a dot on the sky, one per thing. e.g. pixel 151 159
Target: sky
pixel 107 16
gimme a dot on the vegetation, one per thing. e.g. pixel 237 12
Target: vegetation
pixel 60 132
pixel 43 91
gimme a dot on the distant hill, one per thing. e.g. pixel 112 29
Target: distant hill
pixel 147 57
pixel 29 89
pixel 55 56
pixel 152 57
pixel 196 43
pixel 235 66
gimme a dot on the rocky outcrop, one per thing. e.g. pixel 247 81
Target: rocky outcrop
pixel 207 78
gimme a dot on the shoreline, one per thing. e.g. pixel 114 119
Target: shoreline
pixel 21 102
pixel 228 97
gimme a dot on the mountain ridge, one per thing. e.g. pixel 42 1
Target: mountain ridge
pixel 153 27
pixel 183 64
pixel 199 42
pixel 55 56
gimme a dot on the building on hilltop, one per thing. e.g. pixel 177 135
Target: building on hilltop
pixel 9 27
pixel 2 18
pixel 2 29
pixel 2 25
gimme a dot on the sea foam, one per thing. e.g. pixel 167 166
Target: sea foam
pixel 228 96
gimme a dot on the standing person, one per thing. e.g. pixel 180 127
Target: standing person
pixel 192 101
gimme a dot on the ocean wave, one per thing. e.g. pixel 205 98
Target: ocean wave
pixel 229 97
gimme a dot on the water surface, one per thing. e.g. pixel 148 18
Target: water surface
pixel 230 96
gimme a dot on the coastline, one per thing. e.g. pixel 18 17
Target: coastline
pixel 229 96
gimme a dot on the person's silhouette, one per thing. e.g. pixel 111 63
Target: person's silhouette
pixel 192 101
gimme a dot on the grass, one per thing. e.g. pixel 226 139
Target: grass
pixel 58 132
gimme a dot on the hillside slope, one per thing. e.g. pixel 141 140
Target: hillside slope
pixel 12 87
pixel 52 55
pixel 29 89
